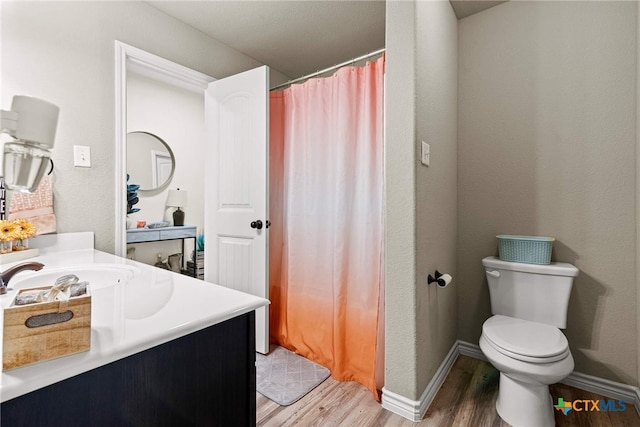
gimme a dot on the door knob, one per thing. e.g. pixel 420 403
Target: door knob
pixel 256 224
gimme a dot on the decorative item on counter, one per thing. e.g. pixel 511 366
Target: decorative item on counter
pixel 8 233
pixel 6 247
pixel 47 322
pixel 65 287
pixel 24 230
pixel 14 235
pixel 177 199
pixel 141 224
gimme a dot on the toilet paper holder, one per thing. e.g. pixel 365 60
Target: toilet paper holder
pixel 441 279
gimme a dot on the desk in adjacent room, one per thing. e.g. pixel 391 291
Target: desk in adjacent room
pixel 144 235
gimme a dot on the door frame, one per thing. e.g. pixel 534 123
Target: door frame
pixel 129 58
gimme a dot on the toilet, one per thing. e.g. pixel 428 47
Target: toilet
pixel 522 339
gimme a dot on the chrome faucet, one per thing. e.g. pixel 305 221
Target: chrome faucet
pixel 6 275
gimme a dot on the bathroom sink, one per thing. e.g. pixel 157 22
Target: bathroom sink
pixel 142 296
pixel 98 275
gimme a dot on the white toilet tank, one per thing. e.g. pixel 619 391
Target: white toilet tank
pixel 539 293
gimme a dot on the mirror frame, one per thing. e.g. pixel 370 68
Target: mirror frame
pixel 129 58
pixel 173 162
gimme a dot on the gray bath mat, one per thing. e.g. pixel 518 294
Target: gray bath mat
pixel 285 377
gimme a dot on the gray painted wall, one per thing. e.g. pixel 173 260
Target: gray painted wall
pixel 420 202
pixel 400 202
pixel 547 139
pixel 436 192
pixel 64 52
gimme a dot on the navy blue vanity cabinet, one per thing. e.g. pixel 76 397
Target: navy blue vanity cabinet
pixel 207 378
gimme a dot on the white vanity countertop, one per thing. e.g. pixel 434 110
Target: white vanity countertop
pixel 149 307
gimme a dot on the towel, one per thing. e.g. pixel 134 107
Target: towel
pixel 36 207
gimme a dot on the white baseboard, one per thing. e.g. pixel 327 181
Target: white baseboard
pixel 400 405
pixel 471 350
pixel 414 410
pixel 607 388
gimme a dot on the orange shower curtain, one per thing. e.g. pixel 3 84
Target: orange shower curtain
pixel 326 210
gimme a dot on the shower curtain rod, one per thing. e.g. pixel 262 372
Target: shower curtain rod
pixel 326 70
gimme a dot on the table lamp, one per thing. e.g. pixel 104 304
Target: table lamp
pixel 177 199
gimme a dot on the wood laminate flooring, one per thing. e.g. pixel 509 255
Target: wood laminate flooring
pixel 466 398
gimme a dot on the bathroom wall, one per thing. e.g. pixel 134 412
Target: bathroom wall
pixel 547 139
pixel 64 52
pixel 436 185
pixel 401 340
pixel 176 116
pixel 420 221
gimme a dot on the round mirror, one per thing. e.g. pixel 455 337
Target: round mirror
pixel 150 161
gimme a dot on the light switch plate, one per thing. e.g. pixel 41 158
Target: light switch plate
pixel 82 156
pixel 425 158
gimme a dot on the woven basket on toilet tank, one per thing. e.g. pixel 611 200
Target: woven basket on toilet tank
pixel 528 249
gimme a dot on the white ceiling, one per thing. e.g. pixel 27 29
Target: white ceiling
pixel 295 37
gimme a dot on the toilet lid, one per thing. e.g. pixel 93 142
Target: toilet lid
pixel 530 340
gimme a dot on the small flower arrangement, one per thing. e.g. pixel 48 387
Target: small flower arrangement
pixel 14 234
pixel 8 232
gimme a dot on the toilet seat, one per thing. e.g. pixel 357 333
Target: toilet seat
pixel 525 340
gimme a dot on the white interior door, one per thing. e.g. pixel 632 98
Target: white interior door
pixel 236 188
